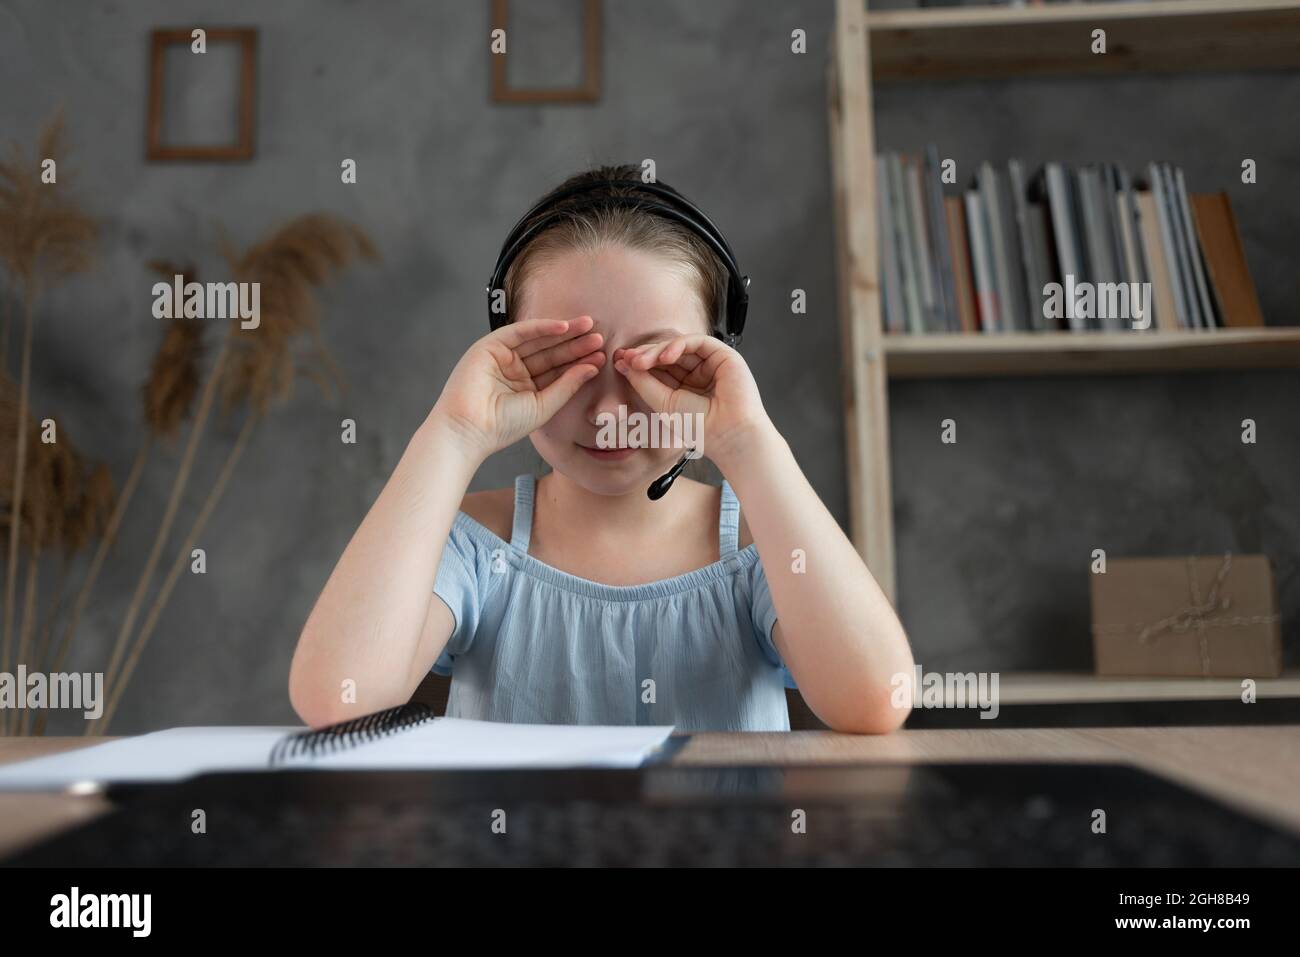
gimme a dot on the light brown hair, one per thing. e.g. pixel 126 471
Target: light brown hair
pixel 587 226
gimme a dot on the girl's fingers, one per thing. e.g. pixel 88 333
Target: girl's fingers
pixel 552 398
pixel 531 335
pixel 655 392
pixel 563 353
pixel 595 359
pixel 665 376
pixel 704 346
pixel 690 369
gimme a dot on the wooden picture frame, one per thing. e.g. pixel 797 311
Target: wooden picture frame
pixel 242 149
pixel 586 92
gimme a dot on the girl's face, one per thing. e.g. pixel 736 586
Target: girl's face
pixel 634 297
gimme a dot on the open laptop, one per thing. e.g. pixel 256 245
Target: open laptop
pixel 861 814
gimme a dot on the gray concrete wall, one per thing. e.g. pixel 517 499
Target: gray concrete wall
pixel 993 533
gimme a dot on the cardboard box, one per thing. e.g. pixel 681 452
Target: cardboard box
pixel 1213 616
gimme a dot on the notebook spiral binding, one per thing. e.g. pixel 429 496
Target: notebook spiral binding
pixel 349 734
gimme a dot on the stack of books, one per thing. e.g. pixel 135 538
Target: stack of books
pixel 1066 249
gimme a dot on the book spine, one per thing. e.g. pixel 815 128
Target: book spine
pixel 1130 253
pixel 921 247
pixel 1169 245
pixel 941 250
pixel 911 292
pixel 1166 317
pixel 890 281
pixel 1142 272
pixel 1024 234
pixel 1062 213
pixel 997 247
pixel 1194 250
pixel 963 270
pixel 986 294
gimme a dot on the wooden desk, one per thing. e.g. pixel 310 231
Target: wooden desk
pixel 1256 769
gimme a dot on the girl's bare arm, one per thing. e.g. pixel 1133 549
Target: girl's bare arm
pixel 377 628
pixel 364 646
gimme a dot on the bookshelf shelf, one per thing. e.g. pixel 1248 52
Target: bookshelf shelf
pixel 1153 37
pixel 1088 353
pixel 1162 36
pixel 1041 687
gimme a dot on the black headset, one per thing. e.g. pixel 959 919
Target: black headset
pixel 681 210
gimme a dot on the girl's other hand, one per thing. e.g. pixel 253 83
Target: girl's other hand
pixel 697 374
pixel 515 378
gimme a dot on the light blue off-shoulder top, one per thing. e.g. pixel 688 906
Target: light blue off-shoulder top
pixel 534 644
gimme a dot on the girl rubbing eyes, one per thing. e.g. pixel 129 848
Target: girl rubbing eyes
pixel 573 598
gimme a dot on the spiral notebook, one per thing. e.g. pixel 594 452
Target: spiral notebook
pixel 408 737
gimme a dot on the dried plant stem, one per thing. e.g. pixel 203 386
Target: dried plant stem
pixel 178 565
pixel 13 719
pixel 7 306
pixel 41 651
pixel 97 562
pixel 20 471
pixel 169 515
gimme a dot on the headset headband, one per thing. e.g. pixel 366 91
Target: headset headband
pixel 684 212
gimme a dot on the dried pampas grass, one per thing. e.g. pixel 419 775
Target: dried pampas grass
pixel 254 367
pixel 44 235
pixel 289 264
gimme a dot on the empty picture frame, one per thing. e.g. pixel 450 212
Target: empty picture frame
pixel 588 88
pixel 237 89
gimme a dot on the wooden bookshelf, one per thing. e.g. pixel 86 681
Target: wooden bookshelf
pixel 955 355
pixel 1154 37
pixel 1162 36
pixel 1041 687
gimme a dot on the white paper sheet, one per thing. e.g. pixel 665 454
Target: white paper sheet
pixel 444 743
pixel 461 743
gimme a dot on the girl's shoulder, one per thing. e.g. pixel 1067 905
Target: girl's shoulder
pixel 494 509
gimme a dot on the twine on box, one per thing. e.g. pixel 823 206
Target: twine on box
pixel 1196 614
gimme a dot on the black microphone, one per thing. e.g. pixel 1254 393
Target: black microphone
pixel 660 486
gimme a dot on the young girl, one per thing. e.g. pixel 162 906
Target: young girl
pixel 575 598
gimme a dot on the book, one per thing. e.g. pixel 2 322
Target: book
pixel 1019 196
pixel 1142 271
pixel 986 293
pixel 962 270
pixel 1040 234
pixel 1001 248
pixel 1098 236
pixel 891 301
pixel 940 251
pixel 911 292
pixel 1061 211
pixel 1225 260
pixel 1153 250
pixel 925 272
pixel 1167 242
pixel 1129 247
pixel 1110 186
pixel 1204 300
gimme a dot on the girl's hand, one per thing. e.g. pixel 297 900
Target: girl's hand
pixel 697 374
pixel 515 378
